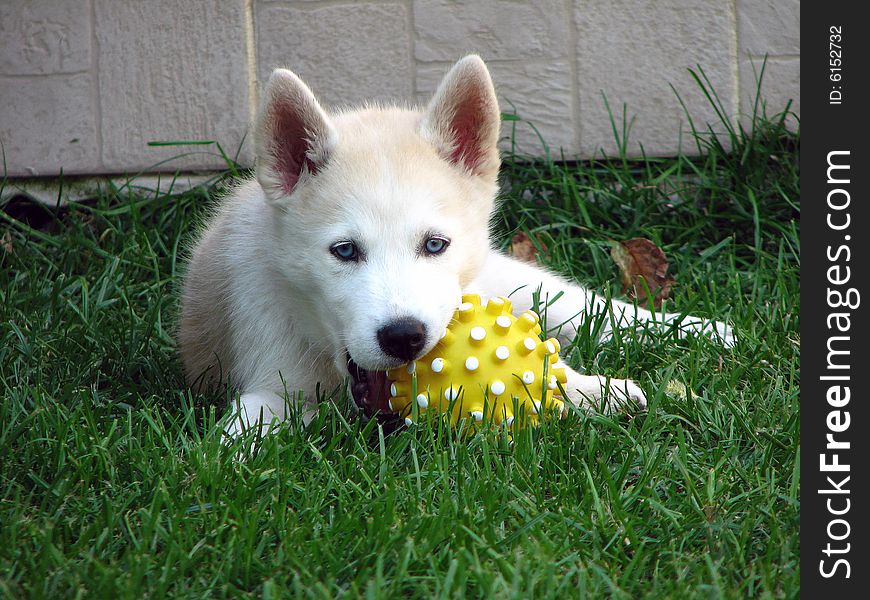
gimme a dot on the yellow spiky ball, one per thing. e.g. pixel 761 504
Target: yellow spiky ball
pixel 488 363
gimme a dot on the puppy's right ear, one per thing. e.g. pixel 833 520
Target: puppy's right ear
pixel 293 135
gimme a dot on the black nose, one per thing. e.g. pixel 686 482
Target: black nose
pixel 403 339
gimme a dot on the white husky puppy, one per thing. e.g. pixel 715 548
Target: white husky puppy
pixel 349 252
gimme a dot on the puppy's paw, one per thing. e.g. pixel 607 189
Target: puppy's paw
pixel 720 332
pixel 233 430
pixel 254 410
pixel 594 392
pixel 717 331
pixel 627 393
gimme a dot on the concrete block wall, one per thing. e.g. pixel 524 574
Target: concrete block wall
pixel 86 84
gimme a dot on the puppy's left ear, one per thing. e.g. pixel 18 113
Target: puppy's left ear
pixel 463 119
pixel 293 136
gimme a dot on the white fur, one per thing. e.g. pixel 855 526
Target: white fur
pixel 267 305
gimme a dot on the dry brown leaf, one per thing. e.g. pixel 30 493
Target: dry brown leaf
pixel 522 248
pixel 642 265
pixel 6 243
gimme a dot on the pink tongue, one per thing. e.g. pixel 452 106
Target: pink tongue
pixel 379 392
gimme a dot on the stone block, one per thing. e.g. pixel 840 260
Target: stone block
pixel 769 27
pixel 171 71
pixel 346 54
pixel 633 52
pixel 39 37
pixel 781 82
pixel 48 124
pixel 495 29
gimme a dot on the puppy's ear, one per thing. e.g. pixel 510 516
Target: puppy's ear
pixel 293 135
pixel 463 119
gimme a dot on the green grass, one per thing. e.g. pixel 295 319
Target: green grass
pixel 114 483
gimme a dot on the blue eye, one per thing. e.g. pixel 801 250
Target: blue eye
pixel 435 245
pixel 345 251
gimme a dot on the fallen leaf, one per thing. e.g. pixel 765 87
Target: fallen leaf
pixel 6 243
pixel 524 249
pixel 642 265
